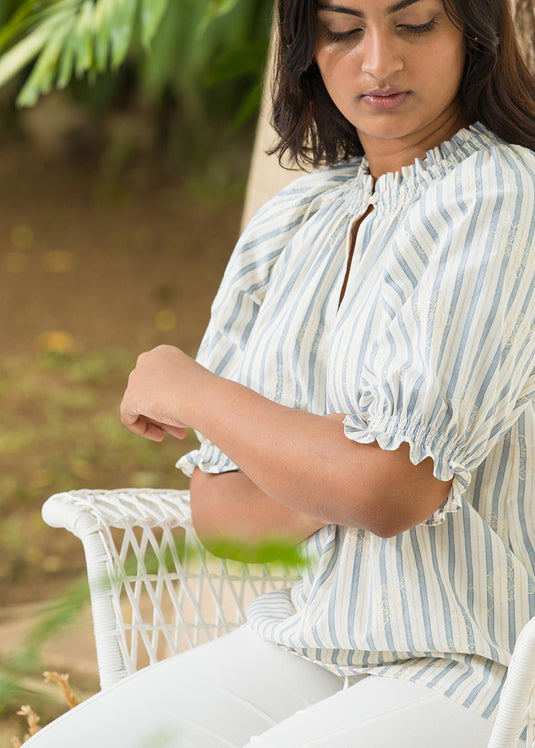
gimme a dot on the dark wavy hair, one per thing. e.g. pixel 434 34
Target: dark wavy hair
pixel 497 88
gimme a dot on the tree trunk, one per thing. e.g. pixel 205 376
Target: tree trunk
pixel 524 14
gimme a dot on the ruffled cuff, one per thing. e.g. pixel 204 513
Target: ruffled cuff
pixel 390 432
pixel 209 458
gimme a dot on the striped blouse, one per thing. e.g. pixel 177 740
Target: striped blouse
pixel 433 345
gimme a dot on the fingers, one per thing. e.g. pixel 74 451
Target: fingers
pixel 151 402
pixel 142 427
pixel 156 431
pixel 176 431
pixel 150 429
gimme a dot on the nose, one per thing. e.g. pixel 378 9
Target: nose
pixel 380 54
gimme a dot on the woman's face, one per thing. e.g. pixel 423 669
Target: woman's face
pixel 393 69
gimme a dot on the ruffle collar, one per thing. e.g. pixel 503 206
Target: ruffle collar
pixel 393 187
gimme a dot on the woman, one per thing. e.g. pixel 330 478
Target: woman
pixel 365 384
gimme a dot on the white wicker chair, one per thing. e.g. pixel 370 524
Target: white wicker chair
pixel 154 589
pixel 178 595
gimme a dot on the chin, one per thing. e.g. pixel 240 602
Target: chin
pixel 387 132
pixel 391 126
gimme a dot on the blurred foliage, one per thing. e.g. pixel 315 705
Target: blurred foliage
pixel 193 67
pixel 14 669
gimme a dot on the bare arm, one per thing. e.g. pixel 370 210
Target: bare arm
pixel 230 508
pixel 303 461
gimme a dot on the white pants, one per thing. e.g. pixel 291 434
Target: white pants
pixel 242 691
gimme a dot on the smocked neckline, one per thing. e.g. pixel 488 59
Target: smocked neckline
pixel 394 187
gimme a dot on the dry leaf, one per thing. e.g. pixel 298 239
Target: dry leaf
pixel 33 724
pixel 63 683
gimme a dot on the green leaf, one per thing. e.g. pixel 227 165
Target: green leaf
pixel 103 19
pixel 152 12
pixel 121 29
pixel 66 62
pixel 239 61
pixel 22 53
pixel 43 74
pixel 217 8
pixel 30 17
pixel 249 107
pixel 83 39
pixel 20 23
pixel 48 20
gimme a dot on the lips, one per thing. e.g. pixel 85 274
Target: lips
pixel 385 92
pixel 388 98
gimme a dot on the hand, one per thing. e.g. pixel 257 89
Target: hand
pixel 158 392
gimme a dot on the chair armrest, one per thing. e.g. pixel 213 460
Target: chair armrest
pixel 154 589
pixel 517 707
pixel 118 508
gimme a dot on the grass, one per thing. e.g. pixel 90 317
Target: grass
pixel 61 431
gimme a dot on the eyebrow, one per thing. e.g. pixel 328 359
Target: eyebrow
pixel 349 11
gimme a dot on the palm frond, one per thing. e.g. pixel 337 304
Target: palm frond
pixel 67 38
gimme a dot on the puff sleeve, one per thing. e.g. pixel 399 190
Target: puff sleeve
pixel 452 367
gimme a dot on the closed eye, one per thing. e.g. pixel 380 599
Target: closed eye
pixel 410 29
pixel 340 36
pixel 422 28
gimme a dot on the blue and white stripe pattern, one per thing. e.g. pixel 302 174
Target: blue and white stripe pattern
pixel 433 345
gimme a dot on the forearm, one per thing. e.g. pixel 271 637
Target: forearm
pixel 301 460
pixel 306 462
pixel 229 509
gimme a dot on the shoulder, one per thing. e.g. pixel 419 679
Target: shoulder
pixel 490 204
pixel 294 204
pixel 490 188
pixel 500 169
pixel 504 194
pixel 273 228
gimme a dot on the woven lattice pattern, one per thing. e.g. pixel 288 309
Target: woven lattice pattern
pixel 154 589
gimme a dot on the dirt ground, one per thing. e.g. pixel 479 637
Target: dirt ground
pixel 100 259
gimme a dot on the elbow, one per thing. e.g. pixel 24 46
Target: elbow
pixel 382 526
pixel 392 515
pixel 393 494
pixel 383 516
pixel 387 530
pixel 388 519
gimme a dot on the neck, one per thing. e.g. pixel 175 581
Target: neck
pixel 390 155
